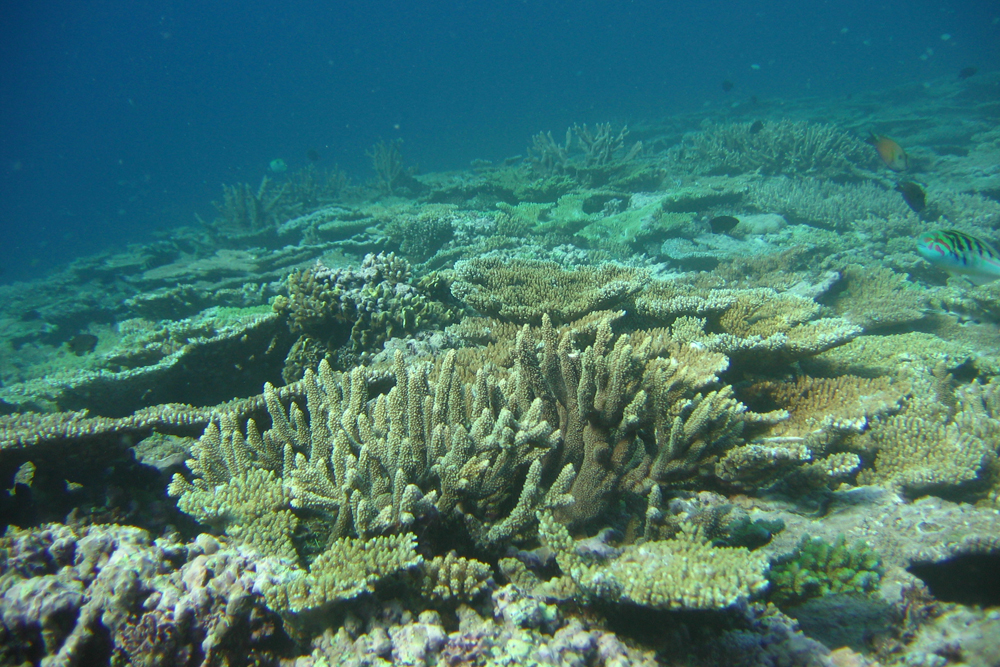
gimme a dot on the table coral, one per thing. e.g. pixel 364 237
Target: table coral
pixel 522 291
pixel 685 572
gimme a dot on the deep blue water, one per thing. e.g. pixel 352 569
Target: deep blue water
pixel 119 117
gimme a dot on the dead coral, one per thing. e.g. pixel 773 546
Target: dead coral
pixel 69 594
pixel 243 210
pixel 387 162
pixel 599 151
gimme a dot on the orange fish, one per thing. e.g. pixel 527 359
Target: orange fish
pixel 891 153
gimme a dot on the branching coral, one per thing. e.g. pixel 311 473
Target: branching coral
pixel 563 430
pixel 782 147
pixel 922 454
pixel 244 210
pixel 826 203
pixel 451 577
pixel 600 152
pixel 818 568
pixel 808 447
pixel 682 573
pixel 387 162
pixel 945 438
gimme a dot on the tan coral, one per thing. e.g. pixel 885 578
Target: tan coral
pixel 522 290
pixel 919 454
pixel 824 410
pixel 875 297
pixel 348 568
pixel 682 573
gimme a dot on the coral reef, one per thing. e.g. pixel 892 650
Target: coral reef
pixel 641 433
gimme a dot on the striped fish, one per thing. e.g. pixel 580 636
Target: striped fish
pixel 957 252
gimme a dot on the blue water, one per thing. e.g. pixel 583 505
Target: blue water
pixel 120 117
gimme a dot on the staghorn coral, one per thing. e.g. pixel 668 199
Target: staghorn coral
pixel 238 487
pixel 387 161
pixel 375 467
pixel 782 147
pixel 593 158
pixel 486 452
pixel 818 568
pixel 245 211
pixel 522 290
pixel 682 573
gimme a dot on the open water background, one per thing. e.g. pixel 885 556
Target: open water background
pixel 122 117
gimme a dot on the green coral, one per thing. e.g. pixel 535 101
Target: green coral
pixel 818 568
